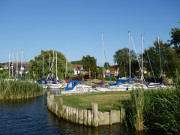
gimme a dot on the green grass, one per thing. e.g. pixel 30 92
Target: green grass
pixel 105 101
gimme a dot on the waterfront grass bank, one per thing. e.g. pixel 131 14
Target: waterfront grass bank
pixel 145 109
pixel 106 101
pixel 11 90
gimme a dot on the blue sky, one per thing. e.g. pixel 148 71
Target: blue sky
pixel 77 26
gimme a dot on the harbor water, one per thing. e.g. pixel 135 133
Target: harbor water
pixel 32 117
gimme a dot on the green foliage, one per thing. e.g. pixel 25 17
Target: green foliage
pixel 175 39
pixel 36 68
pixel 121 57
pixel 99 70
pixel 105 65
pixel 79 62
pixel 107 78
pixel 169 59
pixel 4 74
pixel 134 109
pixel 160 110
pixel 81 75
pixel 19 90
pixel 89 63
pixel 70 72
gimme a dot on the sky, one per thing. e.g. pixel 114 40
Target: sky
pixel 76 26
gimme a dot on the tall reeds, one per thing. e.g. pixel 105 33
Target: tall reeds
pixel 154 109
pixel 134 109
pixel 19 90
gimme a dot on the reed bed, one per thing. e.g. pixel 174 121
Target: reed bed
pixel 19 90
pixel 154 109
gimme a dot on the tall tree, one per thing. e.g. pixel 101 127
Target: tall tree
pixel 175 39
pixel 121 57
pixel 168 62
pixel 89 63
pixel 44 65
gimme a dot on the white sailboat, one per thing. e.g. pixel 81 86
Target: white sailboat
pixel 54 83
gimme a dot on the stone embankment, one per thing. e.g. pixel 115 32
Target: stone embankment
pixel 91 117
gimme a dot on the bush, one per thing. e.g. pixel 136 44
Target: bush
pixel 107 78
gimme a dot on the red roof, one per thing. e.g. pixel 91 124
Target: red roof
pixel 86 74
pixel 112 69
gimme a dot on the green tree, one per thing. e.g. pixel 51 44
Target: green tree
pixel 99 70
pixel 121 57
pixel 79 62
pixel 37 70
pixel 89 63
pixel 169 60
pixel 105 65
pixel 175 40
pixel 70 72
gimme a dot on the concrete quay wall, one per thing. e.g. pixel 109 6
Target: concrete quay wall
pixel 91 117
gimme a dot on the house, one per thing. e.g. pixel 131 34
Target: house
pixel 78 69
pixel 113 72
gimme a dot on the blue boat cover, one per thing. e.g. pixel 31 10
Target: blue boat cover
pixel 42 81
pixel 121 81
pixel 71 84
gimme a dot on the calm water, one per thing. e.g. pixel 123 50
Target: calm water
pixel 32 117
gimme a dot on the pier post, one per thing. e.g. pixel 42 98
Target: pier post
pixel 110 117
pixel 95 114
pixel 89 117
pixel 60 101
pixel 80 113
pixel 77 116
pixel 85 117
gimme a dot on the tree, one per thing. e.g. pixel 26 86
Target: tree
pixel 175 35
pixel 89 63
pixel 169 60
pixel 37 70
pixel 79 62
pixel 121 57
pixel 105 65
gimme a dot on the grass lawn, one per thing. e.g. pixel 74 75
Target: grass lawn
pixel 105 101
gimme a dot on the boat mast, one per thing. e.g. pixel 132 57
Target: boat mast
pixel 49 67
pixel 43 65
pixel 9 66
pixel 17 65
pixel 53 65
pixel 66 63
pixel 103 53
pixel 160 56
pixel 129 55
pixel 12 64
pixel 56 68
pixel 21 62
pixel 142 76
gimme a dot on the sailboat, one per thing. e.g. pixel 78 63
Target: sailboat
pixel 158 85
pixel 51 83
pixel 124 84
pixel 54 83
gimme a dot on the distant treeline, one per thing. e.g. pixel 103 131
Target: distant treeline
pixel 79 62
